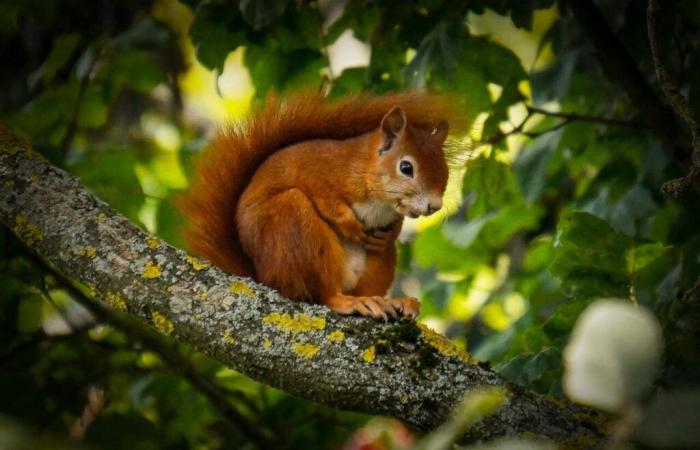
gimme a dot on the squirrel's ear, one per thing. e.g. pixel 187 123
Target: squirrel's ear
pixel 439 133
pixel 393 125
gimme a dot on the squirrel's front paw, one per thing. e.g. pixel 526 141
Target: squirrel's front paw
pixel 376 240
pixel 352 230
pixel 405 306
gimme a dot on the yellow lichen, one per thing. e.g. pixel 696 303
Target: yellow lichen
pixel 240 288
pixel 228 337
pixel 151 270
pixel 91 290
pixel 162 323
pixel 306 351
pixel 444 346
pixel 116 301
pixel 196 263
pixel 369 354
pixel 336 336
pixel 101 217
pixel 203 296
pixel 267 343
pixel 300 323
pixel 10 184
pixel 34 177
pixel 27 231
pixel 152 242
pixel 88 251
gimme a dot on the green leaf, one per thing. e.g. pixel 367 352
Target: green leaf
pixel 632 210
pixel 361 17
pixel 270 69
pixel 93 109
pixel 439 51
pixel 352 80
pixel 218 29
pixel 119 431
pixel 589 257
pixel 261 13
pixel 30 313
pixel 110 174
pixel 531 164
pixel 135 69
pixel 64 46
pixel 462 235
pixel 641 256
pixel 432 249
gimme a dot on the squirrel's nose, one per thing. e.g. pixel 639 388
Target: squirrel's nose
pixel 434 206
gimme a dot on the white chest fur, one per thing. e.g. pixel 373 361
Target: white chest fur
pixel 373 215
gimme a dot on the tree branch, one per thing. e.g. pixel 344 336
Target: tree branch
pixel 573 117
pixel 678 103
pixel 353 363
pixel 622 69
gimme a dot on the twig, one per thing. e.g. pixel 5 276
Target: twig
pixel 73 121
pixel 678 103
pixel 586 118
pixel 567 119
pixel 688 295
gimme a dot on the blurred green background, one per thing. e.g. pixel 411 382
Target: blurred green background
pixel 545 212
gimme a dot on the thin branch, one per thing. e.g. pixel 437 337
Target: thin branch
pixel 680 104
pixel 567 119
pixel 72 127
pixel 586 118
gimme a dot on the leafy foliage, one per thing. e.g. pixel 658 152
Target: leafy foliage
pixel 550 211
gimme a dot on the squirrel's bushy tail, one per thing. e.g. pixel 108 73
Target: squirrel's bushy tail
pixel 226 167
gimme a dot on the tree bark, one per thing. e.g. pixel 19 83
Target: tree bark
pixel 397 369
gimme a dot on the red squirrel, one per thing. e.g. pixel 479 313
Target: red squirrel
pixel 308 195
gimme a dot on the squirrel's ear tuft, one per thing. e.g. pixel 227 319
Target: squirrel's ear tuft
pixel 393 125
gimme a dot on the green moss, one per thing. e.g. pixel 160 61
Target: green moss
pixel 427 357
pixel 403 332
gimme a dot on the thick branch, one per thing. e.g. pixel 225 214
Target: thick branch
pixel 352 363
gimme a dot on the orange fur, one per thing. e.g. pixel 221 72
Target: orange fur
pixel 271 195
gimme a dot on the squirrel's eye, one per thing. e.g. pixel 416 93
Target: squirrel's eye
pixel 406 168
